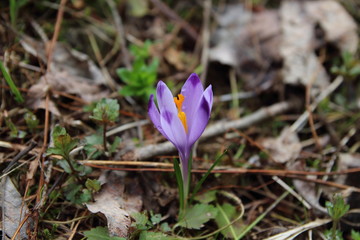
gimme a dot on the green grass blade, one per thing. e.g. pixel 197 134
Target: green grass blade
pixel 180 186
pixel 13 12
pixel 198 185
pixel 11 84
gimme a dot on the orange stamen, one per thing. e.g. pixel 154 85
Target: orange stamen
pixel 182 116
pixel 178 101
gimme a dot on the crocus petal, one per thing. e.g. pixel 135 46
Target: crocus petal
pixel 155 115
pixel 165 98
pixel 174 130
pixel 202 112
pixel 192 90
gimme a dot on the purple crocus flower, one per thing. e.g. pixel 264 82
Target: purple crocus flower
pixel 182 119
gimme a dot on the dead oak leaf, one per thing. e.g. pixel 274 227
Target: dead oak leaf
pixel 117 204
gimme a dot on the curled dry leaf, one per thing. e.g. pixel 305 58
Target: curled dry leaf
pixel 284 148
pixel 116 203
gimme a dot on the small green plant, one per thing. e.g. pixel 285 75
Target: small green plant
pixel 105 112
pixel 141 78
pixel 337 208
pixel 31 120
pixel 93 185
pixel 63 144
pixel 143 224
pixel 100 233
pixel 349 67
pixel 355 235
pixel 94 145
pixel 14 131
pixel 74 189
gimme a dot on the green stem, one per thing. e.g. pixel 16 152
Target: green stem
pixel 104 137
pixel 333 229
pixel 73 171
pixel 179 180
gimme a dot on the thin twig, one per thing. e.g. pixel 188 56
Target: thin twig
pixel 290 190
pixel 59 19
pixel 39 196
pixel 121 33
pixel 19 156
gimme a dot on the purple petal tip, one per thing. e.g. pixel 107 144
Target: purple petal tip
pixel 160 88
pixel 194 79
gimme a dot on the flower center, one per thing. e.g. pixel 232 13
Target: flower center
pixel 182 116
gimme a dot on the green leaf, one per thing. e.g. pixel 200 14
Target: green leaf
pixel 355 235
pixel 141 78
pixel 165 227
pixel 72 193
pixel 124 74
pixel 141 51
pixel 11 84
pixel 337 208
pixel 206 197
pixel 14 132
pixel 141 221
pixel 355 71
pixel 154 235
pixel 225 216
pixel 93 185
pixel 106 110
pixel 100 233
pixel 330 235
pixel 63 143
pixel 76 194
pixel 196 216
pixel 93 146
pixel 115 144
pixel 155 218
pixel 31 120
pixel 62 163
pixel 85 196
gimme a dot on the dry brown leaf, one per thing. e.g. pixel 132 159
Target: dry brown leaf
pixel 284 148
pixel 66 59
pixel 14 212
pixel 116 203
pixel 339 27
pixel 256 42
pixel 301 65
pixel 71 72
